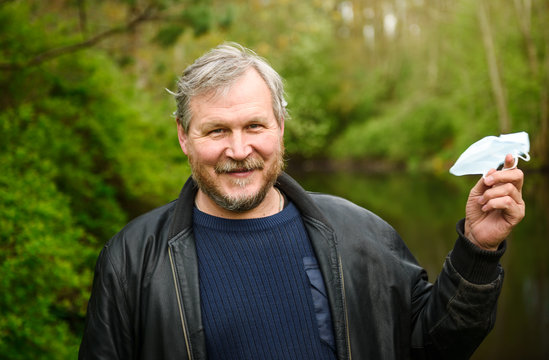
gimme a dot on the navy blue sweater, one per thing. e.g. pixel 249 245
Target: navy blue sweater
pixel 262 295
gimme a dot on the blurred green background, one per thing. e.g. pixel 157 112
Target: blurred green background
pixel 384 96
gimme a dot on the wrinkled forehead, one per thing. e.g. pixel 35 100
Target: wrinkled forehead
pixel 249 79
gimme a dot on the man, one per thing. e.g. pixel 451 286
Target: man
pixel 245 264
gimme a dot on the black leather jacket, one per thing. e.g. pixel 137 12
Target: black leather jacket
pixel 145 299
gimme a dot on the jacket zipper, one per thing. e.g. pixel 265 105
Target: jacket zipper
pixel 345 309
pixel 180 306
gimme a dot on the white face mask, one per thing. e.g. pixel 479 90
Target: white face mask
pixel 489 153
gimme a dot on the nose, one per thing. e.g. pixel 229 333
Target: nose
pixel 239 148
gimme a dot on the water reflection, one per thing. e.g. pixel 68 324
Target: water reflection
pixel 424 210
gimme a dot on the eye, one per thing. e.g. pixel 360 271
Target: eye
pixel 216 131
pixel 255 126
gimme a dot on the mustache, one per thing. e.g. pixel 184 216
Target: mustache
pixel 230 165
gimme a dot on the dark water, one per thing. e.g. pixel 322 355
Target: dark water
pixel 424 209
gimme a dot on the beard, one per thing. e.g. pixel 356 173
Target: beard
pixel 239 204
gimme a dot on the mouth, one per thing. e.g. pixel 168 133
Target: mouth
pixel 239 168
pixel 240 172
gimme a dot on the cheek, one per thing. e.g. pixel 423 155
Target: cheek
pixel 206 153
pixel 268 146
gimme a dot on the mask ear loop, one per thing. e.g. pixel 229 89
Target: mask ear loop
pixel 525 158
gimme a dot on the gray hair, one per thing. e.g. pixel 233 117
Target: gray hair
pixel 217 70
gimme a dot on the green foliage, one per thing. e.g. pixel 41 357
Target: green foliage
pixel 44 266
pixel 311 123
pixel 74 133
pixel 426 111
pixel 56 203
pixel 396 134
pixel 199 16
pixel 168 35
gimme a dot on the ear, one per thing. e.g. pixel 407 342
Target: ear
pixel 182 136
pixel 282 127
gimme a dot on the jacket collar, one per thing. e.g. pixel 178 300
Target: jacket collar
pixel 301 198
pixel 184 208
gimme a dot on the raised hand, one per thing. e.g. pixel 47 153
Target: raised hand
pixel 495 206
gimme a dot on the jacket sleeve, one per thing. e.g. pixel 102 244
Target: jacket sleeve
pixel 107 333
pixel 453 316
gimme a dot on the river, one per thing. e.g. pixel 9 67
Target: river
pixel 424 210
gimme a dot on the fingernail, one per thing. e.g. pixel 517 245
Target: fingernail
pixel 481 200
pixel 489 180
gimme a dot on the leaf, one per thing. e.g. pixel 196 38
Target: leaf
pixel 199 17
pixel 168 35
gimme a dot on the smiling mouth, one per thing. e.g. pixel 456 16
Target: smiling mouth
pixel 240 171
pixel 243 167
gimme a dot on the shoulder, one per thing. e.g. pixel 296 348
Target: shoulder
pixel 146 232
pixel 340 211
pixel 358 228
pixel 352 225
pixel 155 221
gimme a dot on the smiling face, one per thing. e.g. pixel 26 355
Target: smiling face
pixel 235 148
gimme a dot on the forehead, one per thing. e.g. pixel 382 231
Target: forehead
pixel 248 93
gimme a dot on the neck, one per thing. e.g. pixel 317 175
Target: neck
pixel 271 205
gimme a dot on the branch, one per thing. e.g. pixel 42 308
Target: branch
pixel 60 51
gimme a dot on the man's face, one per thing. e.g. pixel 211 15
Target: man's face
pixel 234 144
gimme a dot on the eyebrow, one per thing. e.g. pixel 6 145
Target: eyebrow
pixel 219 123
pixel 211 125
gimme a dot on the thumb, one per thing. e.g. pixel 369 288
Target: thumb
pixel 509 162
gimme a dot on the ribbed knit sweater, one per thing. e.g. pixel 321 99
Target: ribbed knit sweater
pixel 256 294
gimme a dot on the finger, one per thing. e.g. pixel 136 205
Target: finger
pixel 490 172
pixel 507 205
pixel 507 189
pixel 514 176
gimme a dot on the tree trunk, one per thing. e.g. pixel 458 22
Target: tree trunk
pixel 523 9
pixel 495 79
pixel 83 18
pixel 543 137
